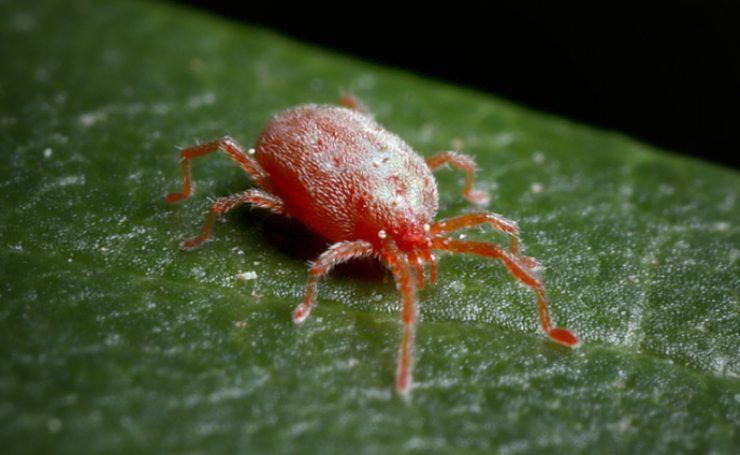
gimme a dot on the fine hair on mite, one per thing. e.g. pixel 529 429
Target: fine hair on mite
pixel 336 170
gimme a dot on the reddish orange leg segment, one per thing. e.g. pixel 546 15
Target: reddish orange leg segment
pixel 430 259
pixel 234 151
pixel 336 254
pixel 221 205
pixel 495 220
pixel 350 102
pixel 520 271
pixel 400 268
pixel 463 163
pixel 416 262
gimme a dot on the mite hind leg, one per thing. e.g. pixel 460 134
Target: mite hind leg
pixel 254 196
pixel 235 152
pixel 521 272
pixel 463 163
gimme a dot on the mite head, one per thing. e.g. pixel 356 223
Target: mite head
pixel 401 213
pixel 410 236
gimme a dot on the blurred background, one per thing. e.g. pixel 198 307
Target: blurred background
pixel 665 73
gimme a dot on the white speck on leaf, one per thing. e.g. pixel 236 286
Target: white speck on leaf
pixel 89 119
pixel 665 190
pixel 161 108
pixel 247 276
pixel 364 82
pixel 54 425
pixel 504 139
pixel 23 23
pixel 205 99
pixel 722 226
pixel 7 120
pixel 316 84
pixel 427 132
pixel 70 180
pixel 198 273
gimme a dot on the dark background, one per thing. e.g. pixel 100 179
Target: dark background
pixel 667 74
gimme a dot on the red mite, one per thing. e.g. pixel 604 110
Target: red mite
pixel 343 175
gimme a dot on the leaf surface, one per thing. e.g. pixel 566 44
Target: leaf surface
pixel 114 341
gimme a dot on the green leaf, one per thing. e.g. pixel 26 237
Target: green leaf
pixel 115 341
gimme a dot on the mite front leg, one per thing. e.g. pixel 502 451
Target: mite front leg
pixel 520 271
pixel 234 151
pixel 254 196
pixel 336 254
pixel 494 220
pixel 430 259
pixel 415 260
pixel 463 163
pixel 401 270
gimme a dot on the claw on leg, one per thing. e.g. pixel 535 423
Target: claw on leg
pixel 564 337
pixel 463 163
pixel 254 196
pixel 521 272
pixel 235 152
pixel 301 313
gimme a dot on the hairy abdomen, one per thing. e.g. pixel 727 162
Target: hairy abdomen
pixel 343 175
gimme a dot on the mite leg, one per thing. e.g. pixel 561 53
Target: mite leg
pixel 416 261
pixel 336 254
pixel 496 221
pixel 463 163
pixel 221 205
pixel 401 270
pixel 520 271
pixel 235 152
pixel 350 102
pixel 430 259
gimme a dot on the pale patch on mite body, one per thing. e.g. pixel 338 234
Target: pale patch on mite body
pixel 335 169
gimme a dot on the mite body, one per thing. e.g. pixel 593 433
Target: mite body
pixel 338 171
